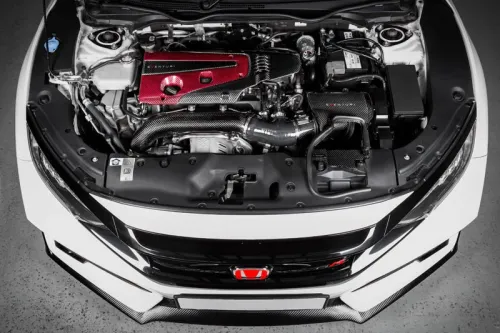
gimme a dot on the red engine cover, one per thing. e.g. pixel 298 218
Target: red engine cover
pixel 169 76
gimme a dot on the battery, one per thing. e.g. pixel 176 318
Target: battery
pixel 342 64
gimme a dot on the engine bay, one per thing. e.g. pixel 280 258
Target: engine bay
pixel 248 114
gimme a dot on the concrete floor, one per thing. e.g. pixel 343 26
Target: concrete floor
pixel 38 296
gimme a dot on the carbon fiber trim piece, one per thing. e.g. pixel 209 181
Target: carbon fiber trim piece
pixel 167 310
pixel 342 159
pixel 325 106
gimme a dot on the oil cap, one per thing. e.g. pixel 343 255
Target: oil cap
pixel 171 90
pixel 171 85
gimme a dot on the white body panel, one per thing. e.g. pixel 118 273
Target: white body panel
pixel 282 226
pixel 45 211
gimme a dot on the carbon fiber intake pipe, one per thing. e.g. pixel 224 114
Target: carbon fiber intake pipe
pixel 279 133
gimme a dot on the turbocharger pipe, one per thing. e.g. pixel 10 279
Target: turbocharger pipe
pixel 278 133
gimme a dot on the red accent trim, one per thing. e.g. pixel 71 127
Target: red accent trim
pixel 338 263
pixel 151 89
pixel 253 274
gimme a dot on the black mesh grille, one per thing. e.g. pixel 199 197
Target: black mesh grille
pixel 219 275
pixel 209 263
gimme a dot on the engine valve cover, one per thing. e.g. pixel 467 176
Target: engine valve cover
pixel 170 78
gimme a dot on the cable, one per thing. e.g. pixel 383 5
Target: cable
pixel 109 134
pixel 360 78
pixel 273 37
pixel 175 43
pixel 361 54
pixel 49 66
pixel 106 61
pixel 375 43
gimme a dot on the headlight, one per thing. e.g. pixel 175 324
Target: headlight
pixel 444 185
pixel 59 187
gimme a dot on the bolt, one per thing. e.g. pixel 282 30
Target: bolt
pixel 321 166
pixel 458 96
pixel 95 159
pixel 211 194
pixel 251 207
pixel 191 108
pixel 44 99
pixel 127 58
pixel 300 205
pixel 164 163
pixel 205 5
pixel 154 201
pixel 347 200
pixel 192 161
pixel 407 157
pixel 290 187
pixel 202 205
pixel 289 162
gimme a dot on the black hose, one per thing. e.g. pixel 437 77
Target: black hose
pixel 309 167
pixel 360 78
pixel 108 130
pixel 279 133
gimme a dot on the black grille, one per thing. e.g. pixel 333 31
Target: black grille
pixel 209 263
pixel 219 275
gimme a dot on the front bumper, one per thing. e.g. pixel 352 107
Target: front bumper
pixel 386 278
pixel 334 308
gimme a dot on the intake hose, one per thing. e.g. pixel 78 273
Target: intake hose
pixel 109 132
pixel 278 133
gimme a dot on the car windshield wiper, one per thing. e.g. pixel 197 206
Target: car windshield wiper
pixel 159 8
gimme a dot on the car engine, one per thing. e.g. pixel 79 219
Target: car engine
pixel 331 95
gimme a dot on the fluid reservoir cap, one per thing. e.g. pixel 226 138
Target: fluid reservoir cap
pixel 52 45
